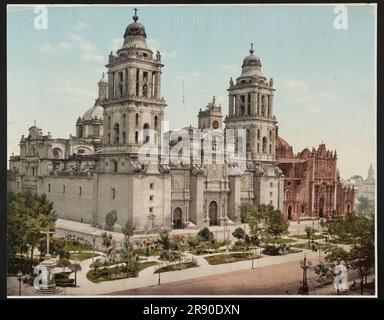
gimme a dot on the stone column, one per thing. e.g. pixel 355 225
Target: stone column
pixel 115 84
pixel 124 90
pixel 270 105
pixel 230 104
pixel 158 85
pixel 313 199
pixel 140 83
pixel 111 85
pixel 253 103
pixel 246 104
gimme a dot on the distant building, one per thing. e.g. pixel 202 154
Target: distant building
pixel 364 187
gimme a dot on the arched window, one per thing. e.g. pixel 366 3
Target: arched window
pixel 136 137
pixel 156 122
pixel 109 122
pixel 124 120
pixel 109 138
pixel 114 165
pixel 258 147
pixel 116 131
pixel 258 134
pixel 124 137
pixel 270 148
pixel 146 126
pixel 137 121
pixel 264 145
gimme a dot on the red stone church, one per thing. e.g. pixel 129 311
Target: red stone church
pixel 312 182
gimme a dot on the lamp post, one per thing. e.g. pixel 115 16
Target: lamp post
pixel 304 265
pixel 93 245
pixel 19 278
pixel 225 237
pixel 298 228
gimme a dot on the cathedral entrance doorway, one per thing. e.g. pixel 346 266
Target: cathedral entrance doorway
pixel 321 208
pixel 177 218
pixel 213 214
pixel 290 212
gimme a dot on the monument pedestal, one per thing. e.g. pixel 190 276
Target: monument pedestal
pixel 45 282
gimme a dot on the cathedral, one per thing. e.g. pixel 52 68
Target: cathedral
pixel 98 177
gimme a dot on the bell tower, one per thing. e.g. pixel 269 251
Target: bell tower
pixel 251 108
pixel 134 99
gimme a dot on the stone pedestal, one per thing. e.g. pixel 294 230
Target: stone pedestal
pixel 45 281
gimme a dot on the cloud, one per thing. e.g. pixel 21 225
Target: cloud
pixel 168 55
pixel 89 52
pixel 46 48
pixel 67 87
pixel 154 45
pixel 230 68
pixel 117 43
pixel 196 74
pixel 65 45
pixel 315 108
pixel 295 86
pixel 79 25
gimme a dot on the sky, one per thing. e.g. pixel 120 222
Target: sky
pixel 324 76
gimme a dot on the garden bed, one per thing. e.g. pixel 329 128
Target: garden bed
pixel 280 240
pixel 231 257
pixel 305 237
pixel 176 267
pixel 117 273
pixel 82 256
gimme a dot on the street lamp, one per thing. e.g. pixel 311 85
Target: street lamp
pixel 298 228
pixel 19 278
pixel 93 245
pixel 304 265
pixel 225 237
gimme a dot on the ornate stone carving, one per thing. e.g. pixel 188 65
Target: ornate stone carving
pixel 278 172
pixel 259 169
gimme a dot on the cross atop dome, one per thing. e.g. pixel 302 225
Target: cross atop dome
pixel 251 51
pixel 135 17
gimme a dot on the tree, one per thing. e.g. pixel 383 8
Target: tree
pixel 309 231
pixel 363 206
pixel 106 240
pixel 75 267
pixel 164 240
pixel 128 231
pixel 205 235
pixel 28 215
pixel 275 223
pixel 247 210
pixel 239 233
pixel 359 231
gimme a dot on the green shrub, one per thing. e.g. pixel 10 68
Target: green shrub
pixel 206 235
pixel 239 233
pixel 64 262
pixel 271 251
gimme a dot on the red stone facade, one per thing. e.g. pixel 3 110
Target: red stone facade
pixel 312 186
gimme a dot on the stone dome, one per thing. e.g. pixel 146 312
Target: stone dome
pixel 251 60
pixel 135 35
pixel 251 66
pixel 96 112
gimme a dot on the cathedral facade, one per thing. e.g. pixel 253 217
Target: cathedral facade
pixel 98 177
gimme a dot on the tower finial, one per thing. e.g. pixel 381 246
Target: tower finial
pixel 251 51
pixel 34 123
pixel 135 17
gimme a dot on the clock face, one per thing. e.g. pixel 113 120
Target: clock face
pixel 215 124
